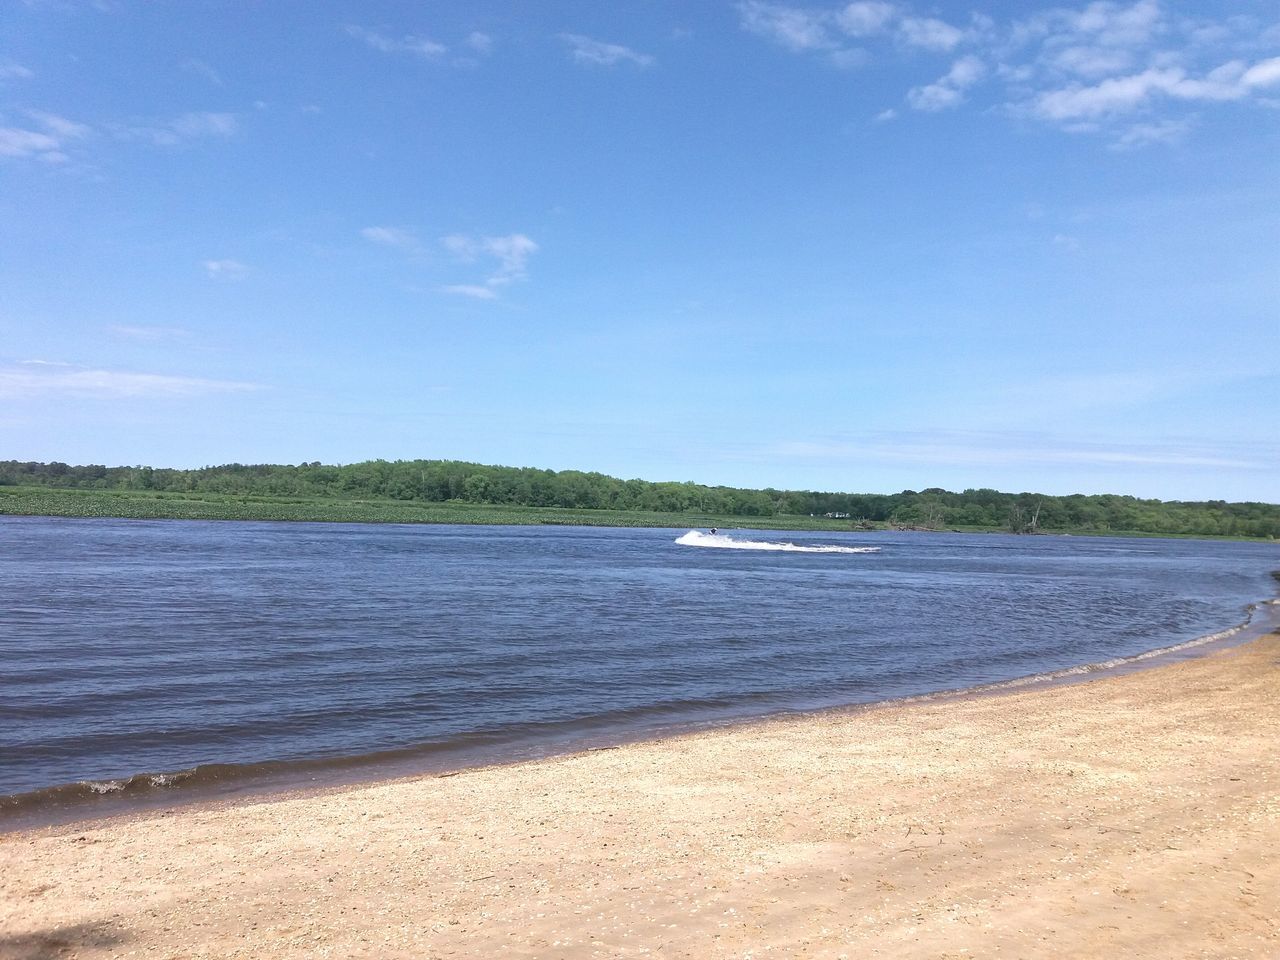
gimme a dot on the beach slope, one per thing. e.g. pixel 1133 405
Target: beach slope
pixel 1130 816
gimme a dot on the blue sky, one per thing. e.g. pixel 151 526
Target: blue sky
pixel 862 247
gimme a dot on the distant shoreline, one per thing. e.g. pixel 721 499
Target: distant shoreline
pixel 73 503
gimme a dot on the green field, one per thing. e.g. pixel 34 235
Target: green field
pixel 146 505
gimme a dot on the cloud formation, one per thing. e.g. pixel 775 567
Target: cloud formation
pixel 35 378
pixel 1122 69
pixel 48 142
pixel 507 257
pixel 418 46
pixel 948 90
pixel 597 53
pixel 14 71
pixel 930 33
pixel 396 237
pixel 959 448
pixel 183 129
pixel 511 253
pixel 225 269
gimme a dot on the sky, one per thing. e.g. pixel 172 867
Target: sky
pixel 859 247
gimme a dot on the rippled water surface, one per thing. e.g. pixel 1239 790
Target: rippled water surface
pixel 160 646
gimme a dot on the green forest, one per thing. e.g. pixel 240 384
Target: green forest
pixel 391 490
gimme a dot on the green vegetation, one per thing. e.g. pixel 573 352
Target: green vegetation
pixel 445 491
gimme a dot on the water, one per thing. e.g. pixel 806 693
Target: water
pixel 137 655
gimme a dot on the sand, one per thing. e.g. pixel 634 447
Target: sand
pixel 1130 816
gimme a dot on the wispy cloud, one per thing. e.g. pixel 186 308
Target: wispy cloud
pixel 511 253
pixel 992 448
pixel 1144 134
pixel 225 269
pixel 930 33
pixel 180 130
pixel 1093 68
pixel 480 43
pixel 48 142
pixel 202 69
pixel 507 256
pixel 471 290
pixel 397 237
pixel 796 28
pixel 148 332
pixel 36 379
pixel 408 43
pixel 1125 94
pixel 14 71
pixel 948 90
pixel 866 18
pixel 598 53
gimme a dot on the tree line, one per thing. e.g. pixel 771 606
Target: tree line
pixel 435 481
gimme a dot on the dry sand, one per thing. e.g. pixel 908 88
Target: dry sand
pixel 1131 816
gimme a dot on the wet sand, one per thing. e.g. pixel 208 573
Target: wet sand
pixel 1129 816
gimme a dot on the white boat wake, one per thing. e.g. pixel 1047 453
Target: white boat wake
pixel 696 538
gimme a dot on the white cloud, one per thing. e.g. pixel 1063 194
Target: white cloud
pixel 1097 24
pixel 1115 95
pixel 225 269
pixel 865 18
pixel 14 71
pixel 884 115
pixel 49 143
pixel 1264 74
pixel 419 46
pixel 461 246
pixel 965 72
pixel 1092 61
pixel 792 27
pixel 934 97
pixel 393 237
pixel 948 90
pixel 16 142
pixel 41 379
pixel 512 253
pixel 848 59
pixel 1084 68
pixel 585 50
pixel 481 43
pixel 202 69
pixel 59 126
pixel 180 130
pixel 471 290
pixel 1005 448
pixel 195 125
pixel 1115 24
pixel 930 34
pixel 148 333
pixel 1144 134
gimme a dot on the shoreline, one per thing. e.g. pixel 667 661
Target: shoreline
pixel 458 513
pixel 221 785
pixel 1132 814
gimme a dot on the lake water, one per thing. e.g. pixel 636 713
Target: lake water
pixel 137 657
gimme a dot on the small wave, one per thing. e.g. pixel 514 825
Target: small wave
pixel 696 538
pixel 105 786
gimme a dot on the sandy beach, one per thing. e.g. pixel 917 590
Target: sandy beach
pixel 1129 816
